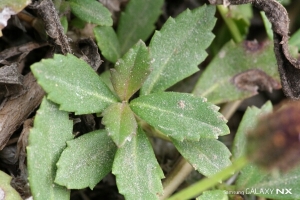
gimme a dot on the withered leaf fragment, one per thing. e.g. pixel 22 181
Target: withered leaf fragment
pixel 22 144
pixel 17 110
pixel 11 82
pixel 16 50
pixel 275 143
pixel 53 27
pixel 10 75
pixel 288 67
pixel 255 79
pixel 89 52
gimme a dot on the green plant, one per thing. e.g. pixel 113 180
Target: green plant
pixel 135 107
pixel 75 87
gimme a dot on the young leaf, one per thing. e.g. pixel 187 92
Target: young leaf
pixel 180 116
pixel 217 81
pixel 131 71
pixel 137 172
pixel 108 42
pixel 7 192
pixel 207 156
pixel 249 121
pixel 179 48
pixel 242 13
pixel 91 11
pixel 239 16
pixel 86 160
pixel 73 84
pixel 120 123
pixel 268 25
pixel 137 22
pixel 213 194
pixel 52 128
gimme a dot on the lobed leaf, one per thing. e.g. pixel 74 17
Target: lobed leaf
pixel 179 47
pixel 47 139
pixel 120 123
pixel 207 156
pixel 137 22
pixel 108 42
pixel 216 82
pixel 73 84
pixel 137 171
pixel 7 192
pixel 131 71
pixel 180 116
pixel 91 11
pixel 86 160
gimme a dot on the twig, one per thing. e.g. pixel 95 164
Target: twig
pixel 16 111
pixel 53 26
pixel 13 51
pixel 176 177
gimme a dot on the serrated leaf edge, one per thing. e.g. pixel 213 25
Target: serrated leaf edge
pixel 213 108
pixel 162 67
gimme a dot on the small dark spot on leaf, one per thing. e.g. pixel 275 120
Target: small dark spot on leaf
pixel 181 104
pixel 253 46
